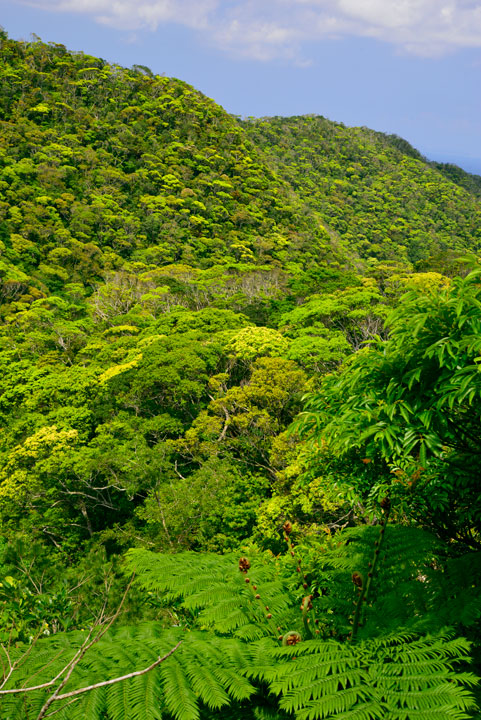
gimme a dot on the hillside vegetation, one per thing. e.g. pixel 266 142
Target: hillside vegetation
pixel 375 191
pixel 227 339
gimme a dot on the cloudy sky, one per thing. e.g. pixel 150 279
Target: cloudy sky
pixel 412 67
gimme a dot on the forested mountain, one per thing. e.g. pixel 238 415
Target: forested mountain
pixel 221 339
pixel 375 191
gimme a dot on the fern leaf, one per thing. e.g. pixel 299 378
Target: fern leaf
pixel 180 699
pixel 395 678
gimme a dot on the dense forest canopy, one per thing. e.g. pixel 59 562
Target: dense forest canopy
pixel 239 408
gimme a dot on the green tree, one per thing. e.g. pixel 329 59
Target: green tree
pixel 403 415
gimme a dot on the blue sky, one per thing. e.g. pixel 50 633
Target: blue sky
pixel 411 67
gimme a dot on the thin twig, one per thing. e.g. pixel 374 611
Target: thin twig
pixel 16 664
pixel 54 712
pixel 68 669
pixel 108 624
pixel 10 666
pixel 31 688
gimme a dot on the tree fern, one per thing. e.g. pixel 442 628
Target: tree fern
pixel 412 579
pixel 397 678
pixel 203 670
pixel 265 637
pixel 213 591
pixel 405 586
pixel 415 587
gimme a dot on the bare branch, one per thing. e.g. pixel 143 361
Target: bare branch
pixel 85 647
pixel 17 663
pixel 226 425
pixel 177 471
pixel 162 516
pixel 11 667
pixel 67 669
pixel 31 688
pixel 73 693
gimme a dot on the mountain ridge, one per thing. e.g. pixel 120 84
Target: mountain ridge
pixel 116 166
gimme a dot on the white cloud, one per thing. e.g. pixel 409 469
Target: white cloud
pixel 136 14
pixel 266 29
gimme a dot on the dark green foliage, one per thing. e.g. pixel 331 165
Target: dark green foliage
pixel 460 177
pixel 413 401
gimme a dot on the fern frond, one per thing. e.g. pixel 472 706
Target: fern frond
pixel 204 670
pixel 414 587
pixel 92 706
pixel 395 678
pixel 461 590
pixel 118 702
pixel 180 699
pixel 409 589
pixel 144 695
pixel 261 713
pixel 214 592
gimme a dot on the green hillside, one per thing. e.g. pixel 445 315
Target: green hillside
pixel 102 167
pixel 376 192
pixel 222 339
